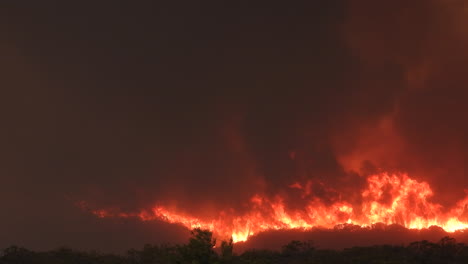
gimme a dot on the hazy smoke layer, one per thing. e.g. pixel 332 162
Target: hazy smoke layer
pixel 201 106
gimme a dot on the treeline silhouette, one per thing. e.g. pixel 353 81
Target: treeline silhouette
pixel 202 249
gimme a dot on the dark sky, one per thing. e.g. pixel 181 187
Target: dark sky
pixel 203 103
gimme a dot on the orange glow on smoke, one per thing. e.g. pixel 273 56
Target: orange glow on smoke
pixel 387 199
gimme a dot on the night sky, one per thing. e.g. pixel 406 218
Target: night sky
pixel 204 103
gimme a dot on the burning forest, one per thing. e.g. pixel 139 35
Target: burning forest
pixel 387 199
pixel 344 122
pixel 371 138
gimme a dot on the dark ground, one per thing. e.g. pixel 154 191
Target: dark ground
pixel 200 249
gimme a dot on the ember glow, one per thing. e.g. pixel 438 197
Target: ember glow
pixel 387 198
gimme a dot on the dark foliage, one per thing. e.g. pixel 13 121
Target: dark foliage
pixel 201 250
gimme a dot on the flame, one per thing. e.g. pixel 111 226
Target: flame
pixel 387 198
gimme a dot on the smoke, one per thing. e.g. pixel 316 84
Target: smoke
pixel 378 87
pixel 425 133
pixel 199 107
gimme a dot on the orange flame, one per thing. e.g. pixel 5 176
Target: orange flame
pixel 388 199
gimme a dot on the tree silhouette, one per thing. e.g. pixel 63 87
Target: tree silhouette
pixel 199 250
pixel 226 251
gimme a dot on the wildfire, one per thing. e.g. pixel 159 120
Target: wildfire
pixel 387 198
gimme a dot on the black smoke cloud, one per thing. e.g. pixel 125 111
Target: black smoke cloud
pixel 426 40
pixel 201 105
